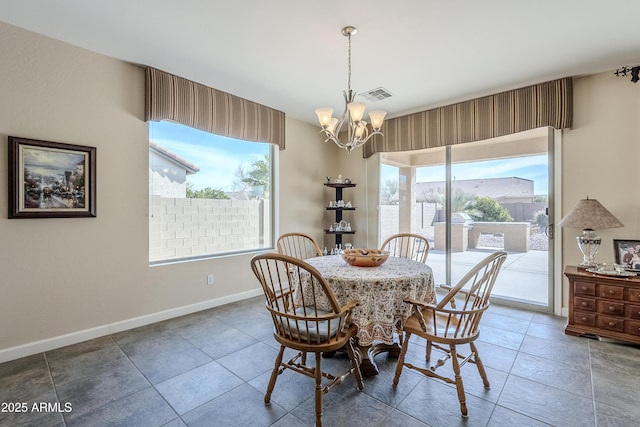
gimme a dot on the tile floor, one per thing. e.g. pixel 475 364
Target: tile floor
pixel 211 369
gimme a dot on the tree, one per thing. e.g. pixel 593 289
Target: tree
pixel 541 219
pixel 259 175
pixel 206 193
pixel 460 201
pixel 239 178
pixel 488 210
pixel 389 189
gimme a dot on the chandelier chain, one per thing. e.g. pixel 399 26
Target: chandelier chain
pixel 349 81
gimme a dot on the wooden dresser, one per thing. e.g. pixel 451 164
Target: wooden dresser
pixel 604 306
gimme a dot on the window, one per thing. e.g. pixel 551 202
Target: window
pixel 208 194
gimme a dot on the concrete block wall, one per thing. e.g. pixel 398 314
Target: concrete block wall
pixel 181 227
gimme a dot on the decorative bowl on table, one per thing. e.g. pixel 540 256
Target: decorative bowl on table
pixel 365 257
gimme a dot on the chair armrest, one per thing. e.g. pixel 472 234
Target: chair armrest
pixel 348 307
pixel 419 303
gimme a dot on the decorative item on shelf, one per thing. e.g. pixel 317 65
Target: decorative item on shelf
pixel 330 203
pixel 357 132
pixel 336 227
pixel 331 228
pixel 348 205
pixel 348 246
pixel 341 203
pixel 328 179
pixel 338 180
pixel 589 214
pixel 347 181
pixel 365 257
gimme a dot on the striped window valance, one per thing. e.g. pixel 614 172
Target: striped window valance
pixel 541 105
pixel 169 97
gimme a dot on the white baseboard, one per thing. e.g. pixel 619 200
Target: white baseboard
pixel 36 347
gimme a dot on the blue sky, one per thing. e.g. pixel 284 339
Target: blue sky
pixel 218 157
pixel 534 168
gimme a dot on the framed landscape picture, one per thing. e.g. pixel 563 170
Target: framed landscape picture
pixel 627 253
pixel 51 179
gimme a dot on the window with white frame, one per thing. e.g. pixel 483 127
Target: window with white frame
pixel 208 194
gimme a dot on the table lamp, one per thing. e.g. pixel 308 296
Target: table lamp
pixel 589 214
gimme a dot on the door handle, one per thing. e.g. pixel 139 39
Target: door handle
pixel 548 231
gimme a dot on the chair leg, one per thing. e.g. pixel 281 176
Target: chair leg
pixel 318 390
pixel 428 353
pixel 400 362
pixel 480 366
pixel 459 386
pixel 355 365
pixel 274 375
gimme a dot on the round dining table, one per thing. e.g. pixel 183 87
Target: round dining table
pixel 380 292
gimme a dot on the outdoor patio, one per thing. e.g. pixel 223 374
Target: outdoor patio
pixel 524 275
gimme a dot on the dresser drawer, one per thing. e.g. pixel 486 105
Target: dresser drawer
pixel 584 288
pixel 611 292
pixel 632 327
pixel 587 319
pixel 634 295
pixel 633 311
pixel 610 323
pixel 610 308
pixel 585 304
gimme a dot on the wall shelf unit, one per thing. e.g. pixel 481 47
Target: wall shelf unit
pixel 338 187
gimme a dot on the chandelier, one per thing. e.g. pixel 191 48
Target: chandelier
pixel 357 131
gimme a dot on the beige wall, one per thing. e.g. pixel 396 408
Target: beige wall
pixel 601 159
pixel 63 280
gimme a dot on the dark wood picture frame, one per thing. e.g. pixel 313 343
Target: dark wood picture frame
pixel 624 256
pixel 51 179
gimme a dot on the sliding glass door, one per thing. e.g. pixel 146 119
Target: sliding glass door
pixel 472 199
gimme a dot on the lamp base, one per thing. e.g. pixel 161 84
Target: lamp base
pixel 588 243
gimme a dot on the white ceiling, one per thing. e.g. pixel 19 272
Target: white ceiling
pixel 291 55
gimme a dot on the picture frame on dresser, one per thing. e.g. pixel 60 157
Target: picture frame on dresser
pixel 51 179
pixel 627 253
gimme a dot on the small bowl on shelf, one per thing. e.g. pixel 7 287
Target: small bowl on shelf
pixel 365 257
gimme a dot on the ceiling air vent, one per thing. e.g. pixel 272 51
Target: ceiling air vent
pixel 377 94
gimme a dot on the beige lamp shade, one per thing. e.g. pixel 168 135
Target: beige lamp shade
pixel 589 214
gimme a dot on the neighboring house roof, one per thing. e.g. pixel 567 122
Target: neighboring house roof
pixel 509 187
pixel 161 151
pixel 496 188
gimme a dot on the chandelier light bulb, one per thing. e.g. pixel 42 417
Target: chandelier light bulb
pixel 324 116
pixel 356 110
pixel 377 117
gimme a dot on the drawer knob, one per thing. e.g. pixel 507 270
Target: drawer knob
pixel 584 319
pixel 611 292
pixel 583 303
pixel 584 288
pixel 612 323
pixel 612 308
